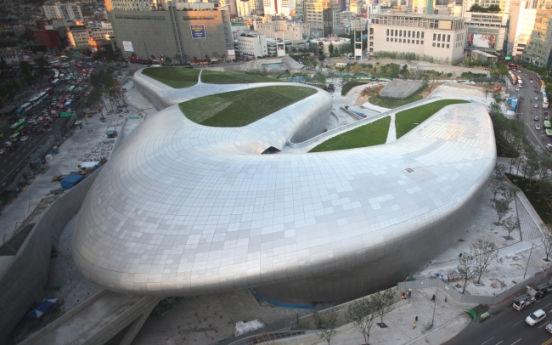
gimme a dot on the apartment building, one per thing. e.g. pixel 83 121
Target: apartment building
pixel 78 37
pixel 522 21
pixel 67 12
pixel 440 38
pixel 321 14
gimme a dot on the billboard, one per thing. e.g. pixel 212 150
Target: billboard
pixel 127 46
pixel 198 31
pixel 481 41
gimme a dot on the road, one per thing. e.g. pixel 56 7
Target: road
pixel 11 162
pixel 527 111
pixel 508 328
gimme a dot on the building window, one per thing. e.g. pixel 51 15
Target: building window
pixel 448 45
pixel 396 33
pixel 438 45
pixel 400 33
pixel 434 44
pixel 448 38
pixel 434 37
pixel 421 42
pixel 408 41
pixel 439 37
pixel 387 32
pixel 417 42
pixel 387 39
pixel 400 40
pixel 422 36
pixel 395 40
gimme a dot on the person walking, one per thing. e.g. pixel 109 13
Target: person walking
pixel 446 297
pixel 433 298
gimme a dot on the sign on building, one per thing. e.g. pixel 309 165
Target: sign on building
pixel 198 31
pixel 127 46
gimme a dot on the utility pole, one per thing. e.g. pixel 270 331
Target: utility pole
pixel 527 264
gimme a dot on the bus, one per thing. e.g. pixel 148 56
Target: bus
pixel 55 82
pixel 25 107
pixel 56 74
pixel 512 66
pixel 71 89
pixel 18 126
pixel 544 101
pixel 512 77
pixel 38 98
pixel 68 104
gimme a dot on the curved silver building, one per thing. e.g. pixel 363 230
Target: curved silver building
pixel 183 209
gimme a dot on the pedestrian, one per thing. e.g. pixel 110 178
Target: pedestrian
pixel 416 318
pixel 446 299
pixel 433 298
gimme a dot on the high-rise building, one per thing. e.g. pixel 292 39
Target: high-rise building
pixel 522 21
pixel 503 4
pixel 78 37
pixel 321 15
pixel 278 7
pixel 486 31
pixel 67 12
pixel 423 6
pixel 537 51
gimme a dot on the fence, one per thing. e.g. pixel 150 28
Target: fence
pixel 538 278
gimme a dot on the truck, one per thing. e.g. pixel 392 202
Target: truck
pixel 543 289
pixel 525 300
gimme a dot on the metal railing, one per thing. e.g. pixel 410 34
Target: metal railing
pixel 273 327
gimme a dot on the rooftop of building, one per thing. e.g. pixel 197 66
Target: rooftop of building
pixel 415 15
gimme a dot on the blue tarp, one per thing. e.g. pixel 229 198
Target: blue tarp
pixel 71 181
pixel 41 308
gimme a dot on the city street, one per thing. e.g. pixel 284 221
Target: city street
pixel 527 110
pixel 508 328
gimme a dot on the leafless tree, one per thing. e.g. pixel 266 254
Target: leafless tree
pixel 511 224
pixel 383 303
pixel 325 322
pixel 501 206
pixel 466 269
pixel 547 242
pixel 483 252
pixel 497 179
pixel 363 313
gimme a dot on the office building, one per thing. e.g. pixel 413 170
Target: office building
pixel 282 29
pixel 101 31
pixel 252 44
pixel 78 37
pixel 66 12
pixel 522 22
pixel 439 38
pixel 278 7
pixel 537 51
pixel 486 31
pixel 47 36
pixel 181 29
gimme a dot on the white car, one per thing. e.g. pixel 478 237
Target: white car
pixel 535 317
pixel 517 88
pixel 536 105
pixel 24 138
pixel 549 147
pixel 536 98
pixel 537 126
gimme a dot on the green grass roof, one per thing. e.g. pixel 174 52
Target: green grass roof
pixel 371 134
pixel 173 76
pixel 215 77
pixel 406 120
pixel 240 108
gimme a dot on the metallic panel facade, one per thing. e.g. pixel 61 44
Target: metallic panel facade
pixel 183 209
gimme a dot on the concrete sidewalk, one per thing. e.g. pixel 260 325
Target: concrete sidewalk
pixel 448 320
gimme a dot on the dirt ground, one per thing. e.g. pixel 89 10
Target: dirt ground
pixel 369 91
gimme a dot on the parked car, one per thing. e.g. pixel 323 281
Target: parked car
pixel 536 98
pixel 2 151
pixel 24 138
pixel 549 147
pixel 39 131
pixel 535 317
pixel 32 121
pixel 40 118
pixel 537 126
pixel 536 118
pixel 11 148
pixel 536 106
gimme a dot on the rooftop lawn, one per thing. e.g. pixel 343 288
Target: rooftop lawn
pixel 173 76
pixel 214 77
pixel 371 134
pixel 406 120
pixel 240 108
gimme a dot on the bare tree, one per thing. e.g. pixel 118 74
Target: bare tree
pixel 466 269
pixel 508 191
pixel 547 242
pixel 325 321
pixel 362 313
pixel 511 224
pixel 483 252
pixel 383 302
pixel 497 179
pixel 501 206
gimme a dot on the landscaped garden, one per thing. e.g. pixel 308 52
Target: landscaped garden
pixel 371 134
pixel 240 108
pixel 173 76
pixel 215 77
pixel 406 120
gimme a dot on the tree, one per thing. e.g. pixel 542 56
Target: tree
pixel 497 179
pixel 501 206
pixel 320 78
pixel 383 301
pixel 325 321
pixel 547 243
pixel 484 252
pixel 331 49
pixel 152 57
pixel 466 269
pixel 362 314
pixel 133 55
pixel 321 57
pixel 510 224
